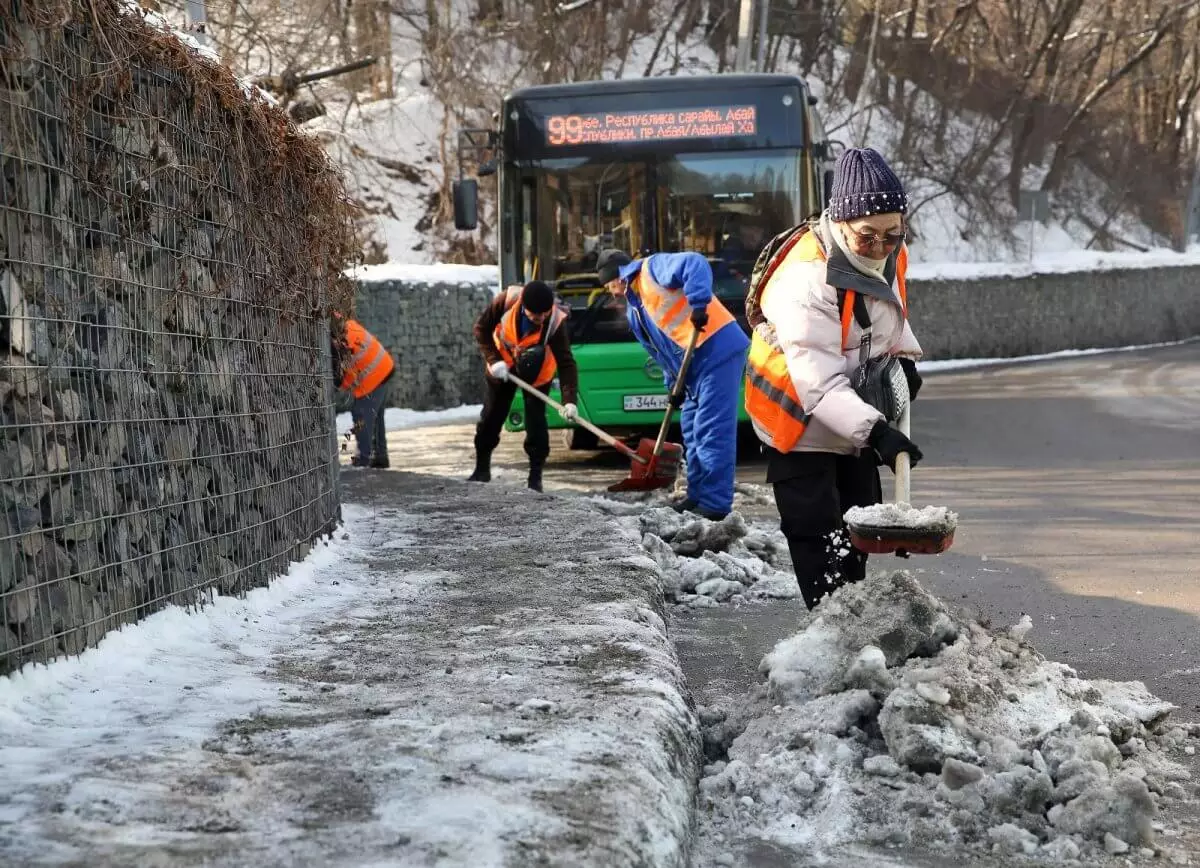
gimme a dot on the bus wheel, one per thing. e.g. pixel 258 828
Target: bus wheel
pixel 580 440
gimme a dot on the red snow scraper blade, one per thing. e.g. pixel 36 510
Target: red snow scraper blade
pixel 648 470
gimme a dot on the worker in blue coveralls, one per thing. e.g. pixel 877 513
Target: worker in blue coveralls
pixel 667 296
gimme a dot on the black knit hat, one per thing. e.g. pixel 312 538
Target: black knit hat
pixel 864 184
pixel 537 296
pixel 609 265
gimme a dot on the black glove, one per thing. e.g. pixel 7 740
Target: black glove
pixel 910 374
pixel 888 443
pixel 700 318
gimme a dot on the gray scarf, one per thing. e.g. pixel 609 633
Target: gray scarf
pixel 831 232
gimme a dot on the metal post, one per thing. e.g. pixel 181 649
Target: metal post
pixel 745 18
pixel 198 21
pixel 764 7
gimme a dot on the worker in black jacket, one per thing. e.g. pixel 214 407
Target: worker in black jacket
pixel 522 331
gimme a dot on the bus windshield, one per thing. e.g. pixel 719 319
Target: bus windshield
pixel 726 206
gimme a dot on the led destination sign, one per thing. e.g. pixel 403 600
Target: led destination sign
pixel 652 126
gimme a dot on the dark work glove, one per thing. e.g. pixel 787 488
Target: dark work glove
pixel 910 374
pixel 700 318
pixel 888 443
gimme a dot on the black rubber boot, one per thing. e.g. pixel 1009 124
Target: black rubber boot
pixel 682 504
pixel 535 477
pixel 483 468
pixel 380 462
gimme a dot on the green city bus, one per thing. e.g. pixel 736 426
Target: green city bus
pixel 714 164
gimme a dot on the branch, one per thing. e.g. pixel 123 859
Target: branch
pixel 1161 29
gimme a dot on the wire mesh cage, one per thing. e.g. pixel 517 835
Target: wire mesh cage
pixel 169 250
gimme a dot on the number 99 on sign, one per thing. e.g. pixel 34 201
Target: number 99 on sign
pixel 565 129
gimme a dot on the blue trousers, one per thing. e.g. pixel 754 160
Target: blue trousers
pixel 709 421
pixel 368 413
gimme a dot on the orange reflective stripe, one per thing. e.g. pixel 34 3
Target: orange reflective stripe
pixel 847 316
pixel 770 397
pixel 671 312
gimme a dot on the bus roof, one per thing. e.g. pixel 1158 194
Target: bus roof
pixel 657 84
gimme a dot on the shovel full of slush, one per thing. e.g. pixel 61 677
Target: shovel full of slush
pixel 899 527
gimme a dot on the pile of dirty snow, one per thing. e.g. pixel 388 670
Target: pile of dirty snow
pixel 889 721
pixel 705 563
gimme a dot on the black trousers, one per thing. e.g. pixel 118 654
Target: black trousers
pixel 812 491
pixel 496 405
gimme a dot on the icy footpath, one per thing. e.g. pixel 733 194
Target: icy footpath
pixel 469 676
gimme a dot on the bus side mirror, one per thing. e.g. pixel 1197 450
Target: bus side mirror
pixel 466 203
pixel 827 191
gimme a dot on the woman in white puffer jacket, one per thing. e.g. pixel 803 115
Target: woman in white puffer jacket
pixel 822 440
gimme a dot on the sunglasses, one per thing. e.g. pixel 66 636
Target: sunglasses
pixel 870 238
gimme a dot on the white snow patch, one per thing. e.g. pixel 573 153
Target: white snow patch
pixel 959 364
pixel 1063 262
pixel 927 518
pixel 400 418
pixel 887 721
pixel 205 52
pixel 704 563
pixel 428 275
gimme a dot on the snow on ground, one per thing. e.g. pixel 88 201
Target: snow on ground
pixel 704 563
pixel 1064 262
pixel 423 690
pixel 932 519
pixel 399 418
pixel 888 721
pixel 428 275
pixel 960 364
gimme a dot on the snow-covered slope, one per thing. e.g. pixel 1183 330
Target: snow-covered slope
pixel 399 153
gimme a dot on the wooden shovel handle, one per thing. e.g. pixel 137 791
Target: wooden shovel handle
pixel 580 421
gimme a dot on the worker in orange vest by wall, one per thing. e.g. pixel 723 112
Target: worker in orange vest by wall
pixel 522 331
pixel 364 368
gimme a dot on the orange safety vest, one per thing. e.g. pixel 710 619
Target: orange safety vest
pixel 771 399
pixel 510 346
pixel 671 312
pixel 369 363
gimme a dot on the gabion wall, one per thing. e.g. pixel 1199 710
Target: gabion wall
pixel 429 329
pixel 169 252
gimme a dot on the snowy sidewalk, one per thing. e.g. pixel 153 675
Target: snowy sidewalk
pixel 472 675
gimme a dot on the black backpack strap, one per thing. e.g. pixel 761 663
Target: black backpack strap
pixel 860 308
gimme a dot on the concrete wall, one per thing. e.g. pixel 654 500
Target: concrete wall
pixel 1015 316
pixel 427 324
pixel 427 327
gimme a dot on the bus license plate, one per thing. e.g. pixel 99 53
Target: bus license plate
pixel 645 402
